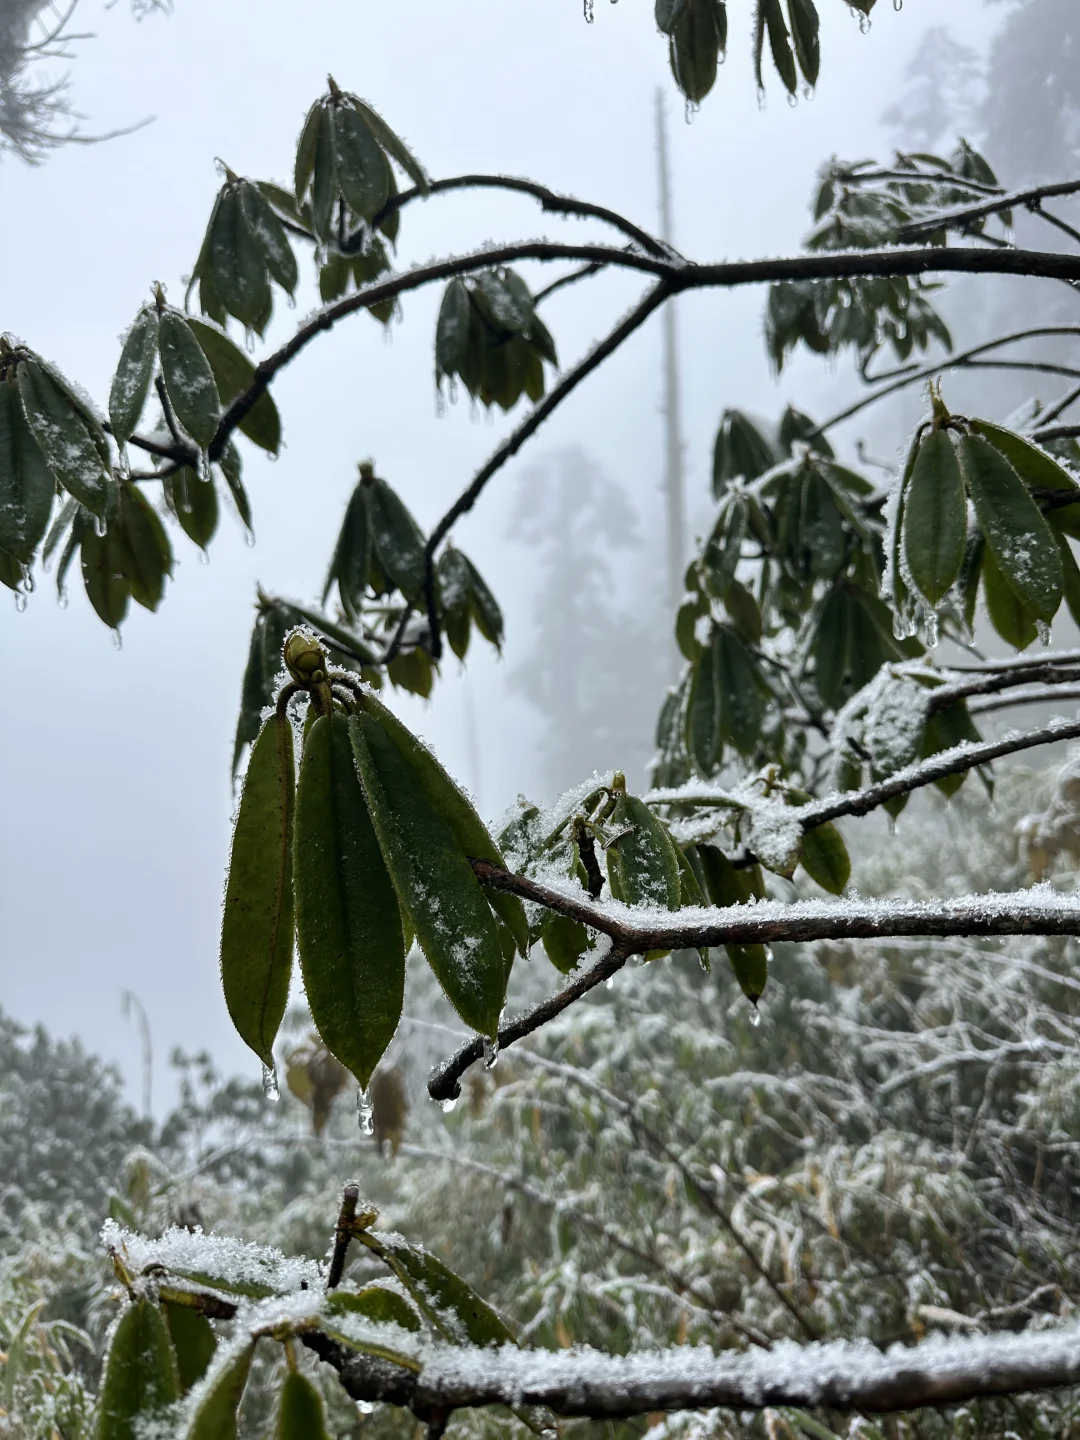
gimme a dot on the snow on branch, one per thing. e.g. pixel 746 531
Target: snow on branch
pixel 1040 910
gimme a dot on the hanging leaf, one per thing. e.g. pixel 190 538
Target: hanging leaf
pixel 434 881
pixel 741 451
pixel 564 941
pixel 134 374
pixel 392 143
pixel 397 539
pixel 750 964
pixel 239 266
pixel 1010 617
pixel 935 517
pixel 456 810
pixel 698 31
pixel 148 558
pixel 351 560
pixel 1019 538
pixel 452 330
pixel 824 857
pixel 103 559
pixel 194 502
pixel 484 607
pixel 27 486
pixel 193 1341
pixel 260 676
pixel 363 174
pixel 233 374
pixel 703 736
pixel 189 379
pixel 305 151
pixel 63 437
pixel 739 691
pixel 323 179
pixel 140 1381
pixel 269 235
pixel 214 1417
pixel 949 726
pixel 804 33
pixel 779 43
pixel 257 922
pixel 300 1413
pixel 348 924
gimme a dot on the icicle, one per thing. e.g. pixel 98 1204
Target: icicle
pixel 588 7
pixel 491 1053
pixel 269 1083
pixel 447 1106
pixel 755 1014
pixel 1044 632
pixel 931 630
pixel 365 1112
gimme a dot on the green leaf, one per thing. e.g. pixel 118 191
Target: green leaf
pixel 269 235
pixel 193 1340
pixel 394 146
pixel 234 373
pixel 103 559
pixel 27 486
pixel 397 539
pixel 263 664
pixel 13 573
pixel 935 517
pixel 824 857
pixel 831 648
pixel 698 37
pixel 564 941
pixel 780 44
pixel 140 1380
pixel 214 1418
pixel 725 885
pixel 230 466
pixel 134 373
pixel 750 964
pixel 452 329
pixel 642 866
pixel 456 810
pixel 703 714
pixel 348 925
pixel 1071 578
pixel 435 884
pixel 300 1413
pixel 822 538
pixel 741 451
pixel 351 560
pixel 484 607
pixel 194 502
pixel 148 558
pixel 257 922
pixel 238 263
pixel 452 1307
pixel 65 441
pixel 804 32
pixel 189 379
pixel 323 180
pixel 1037 469
pixel 1010 617
pixel 1019 538
pixel 305 151
pixel 668 13
pixel 375 1302
pixel 363 174
pixel 949 726
pixel 739 691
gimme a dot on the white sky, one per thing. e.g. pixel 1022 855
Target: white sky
pixel 114 828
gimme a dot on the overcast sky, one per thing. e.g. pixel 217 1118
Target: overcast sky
pixel 114 828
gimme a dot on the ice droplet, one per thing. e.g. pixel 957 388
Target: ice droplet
pixel 269 1083
pixel 588 8
pixel 365 1112
pixel 20 601
pixel 931 630
pixel 609 982
pixel 491 1053
pixel 448 1105
pixel 898 5
pixel 1044 632
pixel 755 1014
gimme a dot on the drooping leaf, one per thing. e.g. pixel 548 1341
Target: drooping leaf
pixel 452 1307
pixel 452 329
pixel 193 1340
pixel 780 43
pixel 351 560
pixel 397 539
pixel 698 31
pixel 703 739
pixel 149 555
pixel 392 143
pixel 935 517
pixel 270 236
pixel 824 857
pixel 1008 613
pixel 739 690
pixel 803 16
pixel 946 727
pixel 305 152
pixel 263 664
pixel 215 1416
pixel 564 940
pixel 140 1381
pixel 194 502
pixel 239 266
pixel 434 881
pixel 63 438
pixel 750 964
pixel 348 924
pixel 27 486
pixel 457 811
pixel 103 559
pixel 189 379
pixel 134 373
pixel 233 373
pixel 300 1412
pixel 363 174
pixel 1021 542
pixel 257 922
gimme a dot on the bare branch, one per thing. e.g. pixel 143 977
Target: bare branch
pixel 1039 911
pixel 549 201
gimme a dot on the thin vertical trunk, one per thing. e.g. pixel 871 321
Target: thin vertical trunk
pixel 673 445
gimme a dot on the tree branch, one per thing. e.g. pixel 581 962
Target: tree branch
pixel 1038 911
pixel 964 214
pixel 680 276
pixel 549 201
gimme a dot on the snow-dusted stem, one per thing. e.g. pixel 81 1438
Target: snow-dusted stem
pixel 1038 911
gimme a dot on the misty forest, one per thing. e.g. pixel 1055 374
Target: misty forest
pixel 561 920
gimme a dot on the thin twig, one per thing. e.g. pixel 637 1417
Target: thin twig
pixel 342 1235
pixel 965 214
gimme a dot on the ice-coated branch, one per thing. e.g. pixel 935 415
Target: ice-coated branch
pixel 962 215
pixel 1037 911
pixel 841 1375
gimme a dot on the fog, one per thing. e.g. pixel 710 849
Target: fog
pixel 115 820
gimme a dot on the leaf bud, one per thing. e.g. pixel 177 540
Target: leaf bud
pixel 305 659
